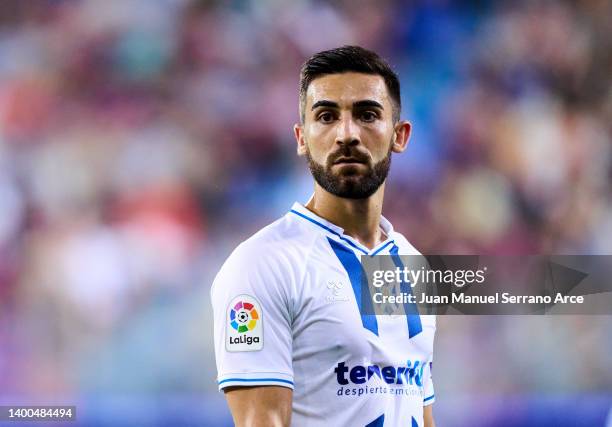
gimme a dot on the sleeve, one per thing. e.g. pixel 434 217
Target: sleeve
pixel 429 396
pixel 252 322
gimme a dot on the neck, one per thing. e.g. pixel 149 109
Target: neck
pixel 360 218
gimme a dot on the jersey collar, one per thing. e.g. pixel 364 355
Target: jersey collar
pixel 307 215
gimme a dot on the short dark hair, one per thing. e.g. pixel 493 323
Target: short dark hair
pixel 346 59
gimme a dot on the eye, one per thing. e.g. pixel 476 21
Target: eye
pixel 326 117
pixel 369 116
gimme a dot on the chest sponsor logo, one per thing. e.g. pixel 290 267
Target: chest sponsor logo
pixel 244 328
pixel 410 374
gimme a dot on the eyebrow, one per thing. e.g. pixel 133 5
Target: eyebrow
pixel 358 104
pixel 368 103
pixel 325 103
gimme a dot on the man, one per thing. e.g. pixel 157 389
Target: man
pixel 291 345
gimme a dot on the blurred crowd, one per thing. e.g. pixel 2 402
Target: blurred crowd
pixel 140 141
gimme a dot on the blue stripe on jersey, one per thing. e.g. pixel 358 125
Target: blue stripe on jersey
pixel 429 398
pixel 256 379
pixel 340 236
pixel 329 229
pixel 378 422
pixel 353 268
pixel 414 423
pixel 412 313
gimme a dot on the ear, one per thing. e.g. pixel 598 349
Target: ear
pixel 298 131
pixel 402 134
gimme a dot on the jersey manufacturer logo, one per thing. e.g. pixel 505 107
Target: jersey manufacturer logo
pixel 244 331
pixel 335 291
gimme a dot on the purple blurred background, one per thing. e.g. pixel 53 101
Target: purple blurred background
pixel 142 140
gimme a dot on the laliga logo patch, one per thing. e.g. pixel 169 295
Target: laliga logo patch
pixel 244 331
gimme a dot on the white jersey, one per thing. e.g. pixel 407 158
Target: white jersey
pixel 286 313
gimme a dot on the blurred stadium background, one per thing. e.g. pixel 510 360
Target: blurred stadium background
pixel 141 140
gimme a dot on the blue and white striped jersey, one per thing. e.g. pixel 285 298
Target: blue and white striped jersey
pixel 286 313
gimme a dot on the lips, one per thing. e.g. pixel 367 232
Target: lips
pixel 349 160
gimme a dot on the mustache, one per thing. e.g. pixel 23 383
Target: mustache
pixel 349 153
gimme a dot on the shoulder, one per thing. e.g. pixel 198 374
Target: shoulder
pixel 280 243
pixel 275 254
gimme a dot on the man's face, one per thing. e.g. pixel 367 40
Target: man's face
pixel 348 133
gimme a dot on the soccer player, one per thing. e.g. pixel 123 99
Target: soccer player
pixel 291 345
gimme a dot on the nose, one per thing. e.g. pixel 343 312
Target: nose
pixel 347 132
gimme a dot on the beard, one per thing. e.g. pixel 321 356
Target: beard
pixel 350 182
